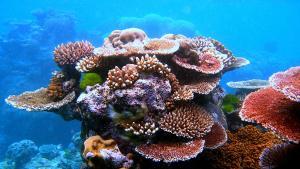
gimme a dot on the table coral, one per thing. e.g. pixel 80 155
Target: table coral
pixel 242 149
pixel 288 83
pixel 281 114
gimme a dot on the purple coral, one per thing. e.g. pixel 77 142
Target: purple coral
pixel 149 90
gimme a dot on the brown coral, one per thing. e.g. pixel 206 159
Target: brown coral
pixel 93 145
pixel 274 111
pixel 122 78
pixel 171 152
pixel 89 63
pixel 288 83
pixel 242 150
pixel 55 88
pixel 188 120
pixel 201 84
pixel 70 53
pixel 160 46
pixel 38 100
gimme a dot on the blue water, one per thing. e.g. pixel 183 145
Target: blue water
pixel 264 31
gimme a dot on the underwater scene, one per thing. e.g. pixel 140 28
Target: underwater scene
pixel 169 84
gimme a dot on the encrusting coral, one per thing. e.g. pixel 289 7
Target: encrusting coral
pixel 242 150
pixel 155 88
pixel 282 113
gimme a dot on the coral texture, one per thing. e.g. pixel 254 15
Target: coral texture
pixel 38 100
pixel 171 152
pixel 216 137
pixel 89 63
pixel 55 88
pixel 242 150
pixel 188 121
pixel 288 83
pixel 280 114
pixel 70 53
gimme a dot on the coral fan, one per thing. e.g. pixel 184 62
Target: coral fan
pixel 288 83
pixel 155 88
pixel 189 121
pixel 242 150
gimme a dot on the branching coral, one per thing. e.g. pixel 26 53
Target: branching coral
pixel 288 83
pixel 147 128
pixel 122 78
pixel 171 152
pixel 242 150
pixel 188 121
pixel 70 53
pixel 89 63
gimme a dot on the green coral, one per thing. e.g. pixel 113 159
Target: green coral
pixel 230 103
pixel 90 79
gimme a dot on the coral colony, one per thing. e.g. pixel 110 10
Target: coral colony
pixel 158 103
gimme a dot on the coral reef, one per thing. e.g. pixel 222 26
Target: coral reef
pixel 155 89
pixel 242 149
pixel 280 156
pixel 281 114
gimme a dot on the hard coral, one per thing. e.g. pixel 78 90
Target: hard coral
pixel 171 152
pixel 242 150
pixel 280 156
pixel 38 100
pixel 97 151
pixel 216 137
pixel 288 83
pixel 122 78
pixel 273 110
pixel 160 46
pixel 70 53
pixel 190 121
pixel 89 63
pixel 55 88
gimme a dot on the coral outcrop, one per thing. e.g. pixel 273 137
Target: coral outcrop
pixel 160 100
pixel 281 114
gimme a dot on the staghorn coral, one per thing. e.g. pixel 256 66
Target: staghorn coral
pixel 70 53
pixel 189 120
pixel 55 88
pixel 242 150
pixel 38 100
pixel 288 83
pixel 171 152
pixel 280 114
pixel 280 156
pixel 122 78
pixel 89 63
pixel 97 149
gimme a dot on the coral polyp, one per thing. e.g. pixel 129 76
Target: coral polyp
pixel 157 103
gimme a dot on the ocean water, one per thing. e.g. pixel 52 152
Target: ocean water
pixel 266 32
